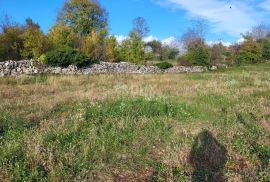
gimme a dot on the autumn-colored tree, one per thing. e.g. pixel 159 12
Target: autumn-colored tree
pixel 93 45
pixel 10 41
pixel 60 36
pixel 216 54
pixel 250 52
pixel 140 27
pixel 83 16
pixel 265 48
pixel 156 47
pixel 132 49
pixel 34 41
pixel 168 52
pixel 198 54
pixel 110 48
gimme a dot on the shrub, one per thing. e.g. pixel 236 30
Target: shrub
pixel 249 53
pixel 164 65
pixel 42 58
pixel 184 63
pixel 198 54
pixel 265 48
pixel 131 50
pixel 67 56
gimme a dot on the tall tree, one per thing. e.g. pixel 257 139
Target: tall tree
pixel 34 41
pixel 250 52
pixel 132 49
pixel 216 54
pixel 60 35
pixel 83 16
pixel 195 34
pixel 140 27
pixel 259 32
pixel 10 43
pixel 156 47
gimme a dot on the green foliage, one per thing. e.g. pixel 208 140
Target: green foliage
pixel 10 43
pixel 83 16
pixel 67 56
pixel 42 58
pixel 140 107
pixel 34 41
pixel 156 48
pixel 164 65
pixel 110 52
pixel 198 54
pixel 149 56
pixel 216 54
pixel 250 52
pixel 168 53
pixel 131 49
pixel 94 45
pixel 265 46
pixel 60 36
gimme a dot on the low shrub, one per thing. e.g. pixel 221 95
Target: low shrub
pixel 67 56
pixel 184 63
pixel 42 59
pixel 164 65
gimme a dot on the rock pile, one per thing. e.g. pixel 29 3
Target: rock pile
pixel 31 67
pixel 15 68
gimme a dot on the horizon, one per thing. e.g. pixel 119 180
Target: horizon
pixel 226 19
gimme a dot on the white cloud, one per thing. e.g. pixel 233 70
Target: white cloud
pixel 233 17
pixel 240 41
pixel 170 41
pixel 173 42
pixel 149 38
pixel 211 43
pixel 120 38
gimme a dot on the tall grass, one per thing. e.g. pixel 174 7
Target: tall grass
pixel 124 127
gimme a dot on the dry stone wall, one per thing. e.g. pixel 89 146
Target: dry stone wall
pixel 31 67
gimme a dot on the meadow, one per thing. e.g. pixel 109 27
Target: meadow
pixel 212 126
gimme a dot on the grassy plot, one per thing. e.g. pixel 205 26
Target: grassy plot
pixel 126 127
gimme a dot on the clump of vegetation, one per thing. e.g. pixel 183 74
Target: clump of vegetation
pixel 164 65
pixel 67 56
pixel 182 62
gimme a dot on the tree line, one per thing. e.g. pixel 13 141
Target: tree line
pixel 80 36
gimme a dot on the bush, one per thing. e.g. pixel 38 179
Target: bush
pixel 184 63
pixel 249 53
pixel 164 65
pixel 67 56
pixel 198 54
pixel 42 58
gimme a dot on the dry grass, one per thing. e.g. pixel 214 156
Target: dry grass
pixel 41 114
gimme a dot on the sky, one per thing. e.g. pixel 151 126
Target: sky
pixel 167 19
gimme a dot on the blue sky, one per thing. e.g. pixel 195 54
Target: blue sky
pixel 166 18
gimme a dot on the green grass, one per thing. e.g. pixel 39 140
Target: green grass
pixel 161 127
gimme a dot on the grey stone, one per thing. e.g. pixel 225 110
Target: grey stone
pixel 30 67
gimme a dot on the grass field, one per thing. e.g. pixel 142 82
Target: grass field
pixel 211 126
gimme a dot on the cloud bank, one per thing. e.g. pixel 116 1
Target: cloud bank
pixel 232 17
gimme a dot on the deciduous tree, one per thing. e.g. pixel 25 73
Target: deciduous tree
pixel 34 41
pixel 83 16
pixel 60 36
pixel 140 27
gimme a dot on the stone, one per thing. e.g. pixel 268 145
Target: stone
pixel 31 67
pixel 213 68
